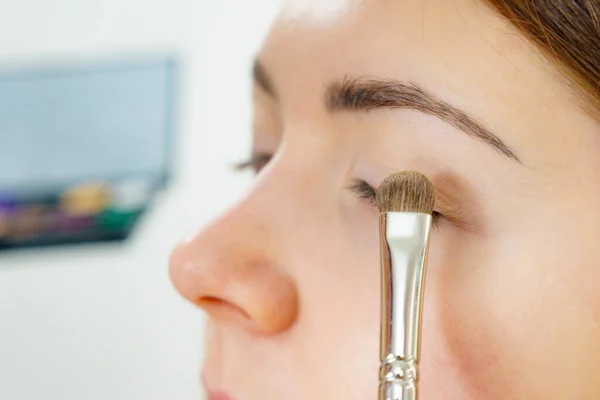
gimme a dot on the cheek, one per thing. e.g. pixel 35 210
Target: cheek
pixel 501 319
pixel 551 316
pixel 338 281
pixel 462 352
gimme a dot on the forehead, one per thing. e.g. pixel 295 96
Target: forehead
pixel 393 37
pixel 317 12
pixel 462 50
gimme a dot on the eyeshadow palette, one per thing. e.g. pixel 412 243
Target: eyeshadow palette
pixel 82 213
pixel 83 148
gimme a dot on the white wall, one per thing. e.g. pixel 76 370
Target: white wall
pixel 102 322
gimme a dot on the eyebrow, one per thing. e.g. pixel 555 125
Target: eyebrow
pixel 367 94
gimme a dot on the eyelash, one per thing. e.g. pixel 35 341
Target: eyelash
pixel 360 188
pixel 366 192
pixel 256 162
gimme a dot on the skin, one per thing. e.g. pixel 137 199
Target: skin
pixel 290 276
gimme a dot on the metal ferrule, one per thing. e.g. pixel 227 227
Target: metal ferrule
pixel 404 241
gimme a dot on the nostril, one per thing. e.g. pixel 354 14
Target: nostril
pixel 209 300
pixel 235 284
pixel 221 309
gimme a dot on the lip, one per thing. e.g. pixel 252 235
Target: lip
pixel 212 394
pixel 218 396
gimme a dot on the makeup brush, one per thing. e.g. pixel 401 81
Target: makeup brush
pixel 406 201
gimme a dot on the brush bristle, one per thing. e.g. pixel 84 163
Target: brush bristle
pixel 406 191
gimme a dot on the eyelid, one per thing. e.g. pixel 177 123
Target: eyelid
pixel 446 206
pixel 368 193
pixel 364 191
pixel 458 203
pixel 451 209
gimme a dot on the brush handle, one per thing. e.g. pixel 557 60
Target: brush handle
pixel 398 379
pixel 404 239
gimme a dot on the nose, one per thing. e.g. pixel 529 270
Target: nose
pixel 234 272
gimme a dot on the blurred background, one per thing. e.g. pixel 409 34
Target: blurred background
pixel 119 123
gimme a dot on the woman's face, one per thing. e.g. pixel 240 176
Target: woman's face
pixel 347 93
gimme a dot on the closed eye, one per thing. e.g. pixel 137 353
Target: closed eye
pixel 256 162
pixel 368 193
pixel 364 191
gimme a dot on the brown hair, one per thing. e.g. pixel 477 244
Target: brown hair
pixel 568 31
